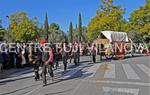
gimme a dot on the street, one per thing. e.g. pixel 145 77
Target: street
pixel 130 76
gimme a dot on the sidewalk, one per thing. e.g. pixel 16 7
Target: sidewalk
pixel 12 73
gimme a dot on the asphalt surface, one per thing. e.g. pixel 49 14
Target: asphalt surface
pixel 130 76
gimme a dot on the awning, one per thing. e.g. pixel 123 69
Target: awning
pixel 114 36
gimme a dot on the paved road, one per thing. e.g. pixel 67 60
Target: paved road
pixel 117 77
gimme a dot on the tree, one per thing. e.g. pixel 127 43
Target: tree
pixel 57 36
pixel 109 17
pixel 80 28
pixel 2 33
pixel 21 27
pixel 46 26
pixel 70 36
pixel 140 19
pixel 137 37
pixel 84 37
pixel 54 26
pixel 39 29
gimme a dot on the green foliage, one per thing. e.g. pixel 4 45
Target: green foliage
pixel 70 36
pixel 21 27
pixel 84 37
pixel 109 17
pixel 56 36
pixel 136 36
pixel 54 26
pixel 140 19
pixel 2 33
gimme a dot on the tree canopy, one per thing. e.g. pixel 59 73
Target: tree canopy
pixel 108 17
pixel 21 27
pixel 55 34
pixel 140 19
pixel 2 33
pixel 70 35
pixel 54 26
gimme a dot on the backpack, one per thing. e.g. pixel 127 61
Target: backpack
pixel 45 56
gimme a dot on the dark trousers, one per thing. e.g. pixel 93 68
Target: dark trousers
pixel 64 59
pixel 44 71
pixel 57 64
pixel 94 58
pixel 36 69
pixel 56 61
pixel 76 58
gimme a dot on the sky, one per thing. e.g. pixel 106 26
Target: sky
pixel 61 11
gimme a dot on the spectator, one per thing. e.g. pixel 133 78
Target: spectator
pixel 94 52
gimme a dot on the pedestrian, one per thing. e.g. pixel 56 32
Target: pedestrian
pixel 23 57
pixel 76 54
pixel 37 63
pixel 53 46
pixel 94 52
pixel 64 55
pixel 26 54
pixel 47 63
pixel 7 57
pixel 18 56
pixel 57 57
pixel 71 54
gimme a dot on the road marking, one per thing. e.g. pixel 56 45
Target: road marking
pixel 110 73
pixel 130 73
pixel 144 69
pixel 122 82
pixel 92 70
pixel 121 90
